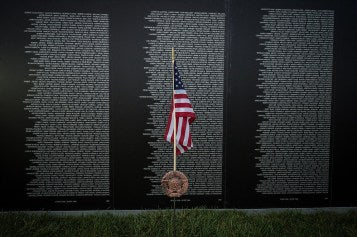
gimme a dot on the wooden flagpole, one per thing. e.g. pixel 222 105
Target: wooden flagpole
pixel 174 117
pixel 173 98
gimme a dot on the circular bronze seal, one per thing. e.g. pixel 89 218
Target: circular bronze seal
pixel 174 184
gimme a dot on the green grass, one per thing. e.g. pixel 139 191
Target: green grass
pixel 188 223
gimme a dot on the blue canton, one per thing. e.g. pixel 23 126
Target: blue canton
pixel 178 82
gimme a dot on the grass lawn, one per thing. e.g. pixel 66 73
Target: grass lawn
pixel 189 222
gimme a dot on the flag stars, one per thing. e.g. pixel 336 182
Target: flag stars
pixel 177 79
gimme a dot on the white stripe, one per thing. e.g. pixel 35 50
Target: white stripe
pixel 184 110
pixel 180 148
pixel 187 132
pixel 179 128
pixel 180 91
pixel 182 101
pixel 171 128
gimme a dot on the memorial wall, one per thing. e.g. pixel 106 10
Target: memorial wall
pixel 86 94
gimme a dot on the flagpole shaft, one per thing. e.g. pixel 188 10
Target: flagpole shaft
pixel 173 98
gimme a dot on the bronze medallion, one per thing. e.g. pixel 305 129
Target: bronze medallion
pixel 174 184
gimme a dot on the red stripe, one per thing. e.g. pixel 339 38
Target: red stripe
pixel 178 152
pixel 189 143
pixel 181 96
pixel 191 116
pixel 177 123
pixel 183 130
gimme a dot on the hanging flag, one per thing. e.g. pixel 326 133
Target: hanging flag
pixel 184 116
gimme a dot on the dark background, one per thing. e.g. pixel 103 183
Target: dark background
pixel 241 109
pixel 128 113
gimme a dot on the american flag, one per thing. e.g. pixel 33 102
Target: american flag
pixel 184 116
